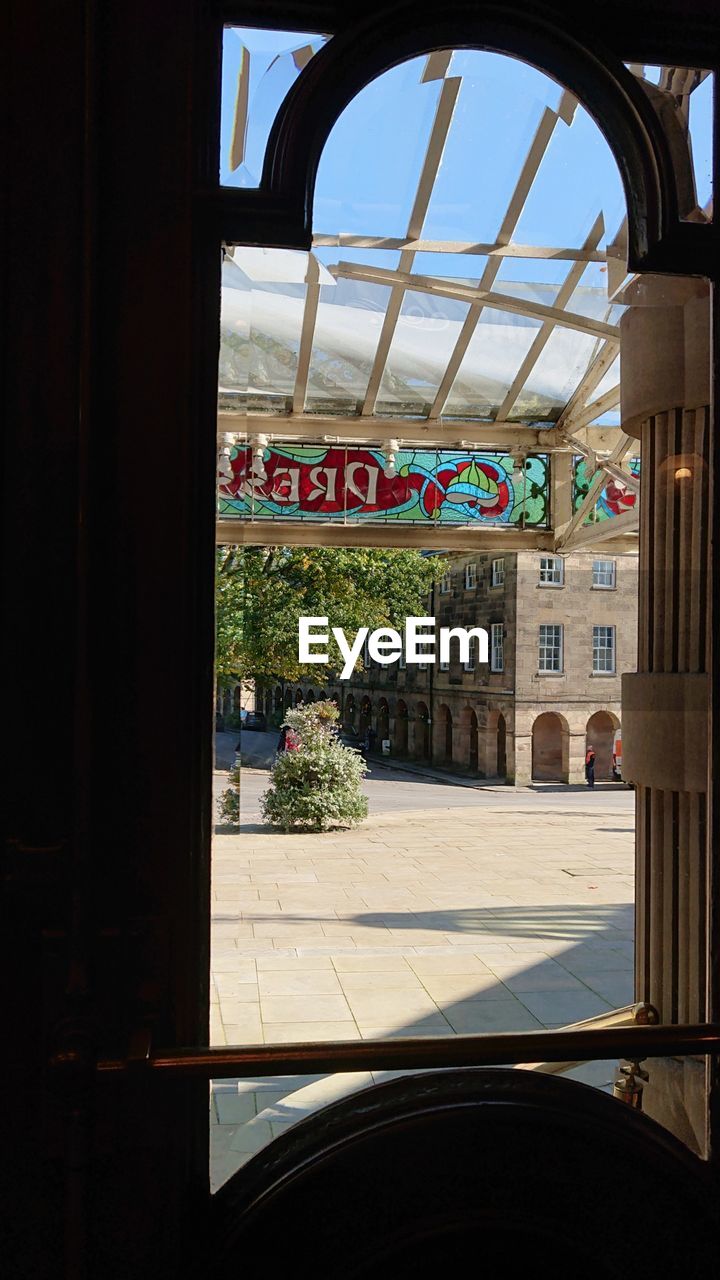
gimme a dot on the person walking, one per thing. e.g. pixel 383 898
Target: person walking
pixel 282 740
pixel 590 765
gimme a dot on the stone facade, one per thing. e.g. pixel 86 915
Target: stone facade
pixel 516 722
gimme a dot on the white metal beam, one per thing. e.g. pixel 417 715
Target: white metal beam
pixel 312 297
pixel 301 533
pixel 431 164
pixel 595 488
pixel 541 339
pixel 440 434
pixel 472 294
pixel 591 379
pixel 469 247
pixel 589 535
pixel 596 408
pixel 528 173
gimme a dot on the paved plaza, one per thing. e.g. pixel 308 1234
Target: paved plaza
pixel 450 910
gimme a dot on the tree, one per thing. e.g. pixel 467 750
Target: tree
pixel 263 591
pixel 318 784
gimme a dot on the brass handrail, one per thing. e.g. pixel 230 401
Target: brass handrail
pixel 630 1015
pixel 505 1049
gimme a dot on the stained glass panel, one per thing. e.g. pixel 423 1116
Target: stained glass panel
pixel 421 486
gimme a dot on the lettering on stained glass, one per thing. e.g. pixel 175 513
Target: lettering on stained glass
pixel 421 486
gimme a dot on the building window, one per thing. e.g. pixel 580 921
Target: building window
pixel 422 666
pixel 402 665
pixel 550 647
pixel 445 583
pixel 603 651
pixel 470 576
pixel 603 574
pixel 366 655
pixel 470 664
pixel 497 654
pixel 498 573
pixel 444 666
pixel 551 571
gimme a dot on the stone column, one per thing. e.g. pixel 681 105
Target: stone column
pixel 523 759
pixel 576 756
pixel 665 398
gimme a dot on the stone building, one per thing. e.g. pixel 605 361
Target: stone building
pixel 562 630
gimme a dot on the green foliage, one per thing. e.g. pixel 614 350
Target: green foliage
pixel 262 592
pixel 319 784
pixel 229 802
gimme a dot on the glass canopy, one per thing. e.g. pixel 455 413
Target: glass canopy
pixel 465 281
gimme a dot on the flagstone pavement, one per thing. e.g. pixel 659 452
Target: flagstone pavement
pixel 456 918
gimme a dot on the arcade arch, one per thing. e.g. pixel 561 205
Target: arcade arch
pixel 599 733
pixel 550 748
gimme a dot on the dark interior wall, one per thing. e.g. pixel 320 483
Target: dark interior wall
pixel 110 279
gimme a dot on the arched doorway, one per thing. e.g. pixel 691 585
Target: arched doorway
pixel 309 696
pixel 288 699
pixel 400 745
pixel 599 733
pixel 501 747
pixel 278 702
pixel 422 731
pixel 383 721
pixel 298 697
pixel 550 748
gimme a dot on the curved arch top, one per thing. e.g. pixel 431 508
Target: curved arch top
pixel 597 78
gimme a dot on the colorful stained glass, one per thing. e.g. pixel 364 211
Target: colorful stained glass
pixel 614 498
pixel 422 486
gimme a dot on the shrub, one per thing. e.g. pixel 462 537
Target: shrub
pixel 319 784
pixel 229 802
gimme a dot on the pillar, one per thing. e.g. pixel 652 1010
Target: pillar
pixel 665 399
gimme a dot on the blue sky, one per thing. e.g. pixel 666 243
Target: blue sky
pixel 370 167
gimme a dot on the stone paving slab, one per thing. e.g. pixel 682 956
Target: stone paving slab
pixel 425 921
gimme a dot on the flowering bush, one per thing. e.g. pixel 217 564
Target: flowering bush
pixel 229 802
pixel 318 785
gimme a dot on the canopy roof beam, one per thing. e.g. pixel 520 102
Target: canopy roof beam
pixel 541 339
pixel 587 536
pixel 413 432
pixel 528 173
pixel 494 250
pixel 477 295
pixel 286 533
pixel 431 165
pixel 597 484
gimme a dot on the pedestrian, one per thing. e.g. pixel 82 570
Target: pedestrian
pixel 590 765
pixel 371 739
pixel 282 740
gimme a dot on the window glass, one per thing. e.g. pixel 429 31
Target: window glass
pixel 470 576
pixel 498 573
pixel 603 650
pixel 497 657
pixel 550 655
pixel 603 574
pixel 551 571
pixel 445 583
pixel 258 69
